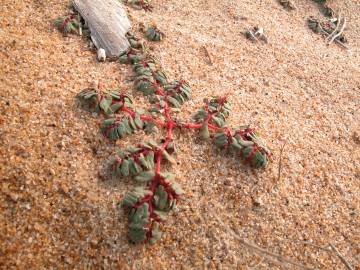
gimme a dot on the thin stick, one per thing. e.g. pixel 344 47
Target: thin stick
pixel 341 257
pixel 336 40
pixel 253 37
pixel 280 162
pixel 336 27
pixel 256 265
pixel 262 251
pixel 80 25
pixel 309 244
pixel 340 32
pixel 207 54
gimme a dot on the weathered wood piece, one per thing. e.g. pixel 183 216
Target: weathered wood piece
pixel 108 23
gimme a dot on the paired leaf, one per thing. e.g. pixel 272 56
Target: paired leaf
pixel 154 34
pixel 133 197
pixel 204 132
pixel 67 24
pixel 115 128
pixel 145 176
pixel 138 219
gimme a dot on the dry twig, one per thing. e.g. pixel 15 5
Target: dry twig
pixel 336 40
pixel 336 27
pixel 256 265
pixel 330 250
pixel 280 162
pixel 341 257
pixel 280 259
pixel 339 33
pixel 207 54
pixel 309 244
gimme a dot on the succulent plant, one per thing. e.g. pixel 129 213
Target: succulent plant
pixel 157 192
pixel 154 34
pixel 68 24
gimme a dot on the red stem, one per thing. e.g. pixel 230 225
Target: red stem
pixel 65 22
pixel 148 118
pixel 127 110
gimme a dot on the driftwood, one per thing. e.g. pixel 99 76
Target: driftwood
pixel 108 24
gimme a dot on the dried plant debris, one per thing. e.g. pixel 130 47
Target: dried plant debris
pixel 287 4
pixel 332 29
pixel 256 34
pixel 324 8
pixel 139 4
pixel 158 192
pixel 207 55
pixel 154 34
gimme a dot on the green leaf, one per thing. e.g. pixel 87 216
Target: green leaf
pixel 139 123
pixel 139 217
pixel 137 235
pixel 177 188
pixel 174 102
pixel 131 198
pixel 235 145
pixel 145 176
pixel 143 162
pixel 161 214
pixel 220 139
pixel 134 168
pixel 160 77
pixel 204 132
pixel 115 107
pixel 114 94
pixel 108 122
pixel 168 157
pixel 245 143
pixel 132 123
pixel 113 135
pixel 218 121
pixel 150 159
pixel 125 168
pixel 168 176
pixel 156 233
pixel 180 99
pixel 105 105
pixel 149 127
pixel 132 149
pixel 257 159
pixel 128 129
pixel 160 198
pixel 153 144
pixel 121 130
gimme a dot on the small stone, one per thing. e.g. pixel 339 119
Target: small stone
pixel 356 137
pixel 64 188
pixel 101 55
pixel 52 171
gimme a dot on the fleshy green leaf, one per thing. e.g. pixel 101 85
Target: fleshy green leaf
pixel 204 131
pixel 145 176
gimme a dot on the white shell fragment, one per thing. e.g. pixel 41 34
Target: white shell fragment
pixel 101 55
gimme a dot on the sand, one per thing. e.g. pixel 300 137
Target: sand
pixel 58 211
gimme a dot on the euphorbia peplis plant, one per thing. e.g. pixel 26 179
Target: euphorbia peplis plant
pixel 68 24
pixel 158 191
